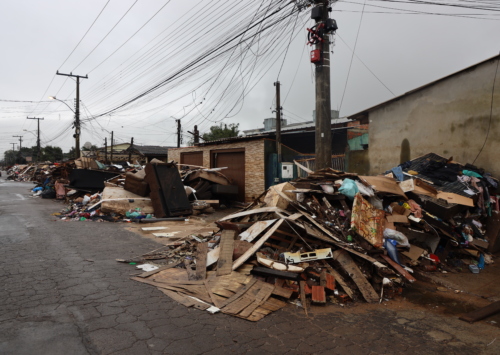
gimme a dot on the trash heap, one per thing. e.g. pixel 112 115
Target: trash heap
pixel 332 237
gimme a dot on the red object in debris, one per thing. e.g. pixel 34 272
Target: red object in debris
pixel 318 294
pixel 315 56
pixel 307 289
pixel 434 258
pixel 330 282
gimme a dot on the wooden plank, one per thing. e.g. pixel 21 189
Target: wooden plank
pixel 161 268
pixel 282 292
pixel 357 276
pixel 244 300
pixel 251 212
pixel 211 295
pixel 322 278
pixel 481 313
pixel 303 299
pixel 261 297
pixel 255 230
pixel 257 245
pixel 318 294
pixel 191 272
pixel 300 166
pixel 399 269
pixel 178 297
pixel 239 293
pixel 201 261
pixel 226 253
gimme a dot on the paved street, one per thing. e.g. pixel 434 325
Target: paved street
pixel 62 292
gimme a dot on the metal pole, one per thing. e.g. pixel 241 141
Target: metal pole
pixel 278 122
pixel 111 159
pixel 38 136
pixel 178 133
pixel 323 137
pixel 77 110
pixel 130 150
pixel 105 150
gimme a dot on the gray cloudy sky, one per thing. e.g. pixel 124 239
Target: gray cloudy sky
pixel 138 47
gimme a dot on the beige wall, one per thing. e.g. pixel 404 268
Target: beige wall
pixel 450 118
pixel 254 163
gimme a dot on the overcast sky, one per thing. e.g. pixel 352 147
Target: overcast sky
pixel 132 46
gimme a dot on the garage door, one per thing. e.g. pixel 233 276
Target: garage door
pixel 192 158
pixel 234 160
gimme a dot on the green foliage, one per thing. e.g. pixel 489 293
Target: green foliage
pixel 221 131
pixel 52 154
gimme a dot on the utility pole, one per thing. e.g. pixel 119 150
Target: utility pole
pixel 37 136
pixel 77 110
pixel 105 150
pixel 111 159
pixel 178 133
pixel 278 122
pixel 130 149
pixel 13 146
pixel 20 142
pixel 196 135
pixel 320 56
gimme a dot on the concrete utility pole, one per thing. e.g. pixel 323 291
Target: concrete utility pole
pixel 13 146
pixel 111 159
pixel 178 133
pixel 130 149
pixel 278 122
pixel 20 142
pixel 37 136
pixel 77 110
pixel 196 135
pixel 106 150
pixel 321 54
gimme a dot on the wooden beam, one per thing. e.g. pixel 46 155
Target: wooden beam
pixel 357 276
pixel 201 261
pixel 257 245
pixel 226 253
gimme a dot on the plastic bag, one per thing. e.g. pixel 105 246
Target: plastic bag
pixel 349 188
pixel 397 236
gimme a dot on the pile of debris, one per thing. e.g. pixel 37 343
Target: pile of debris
pixel 330 237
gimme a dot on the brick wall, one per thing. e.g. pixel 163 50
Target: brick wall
pixel 254 163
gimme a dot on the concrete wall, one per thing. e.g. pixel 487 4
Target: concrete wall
pixel 450 118
pixel 254 163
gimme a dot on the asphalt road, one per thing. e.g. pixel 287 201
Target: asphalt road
pixel 62 292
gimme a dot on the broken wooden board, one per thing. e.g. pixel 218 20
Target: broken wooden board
pixel 161 268
pixel 384 184
pixel 251 212
pixel 201 261
pixel 398 218
pixel 257 245
pixel 256 229
pixel 225 261
pixel 481 313
pixel 455 198
pixel 273 199
pixel 357 276
pixel 399 269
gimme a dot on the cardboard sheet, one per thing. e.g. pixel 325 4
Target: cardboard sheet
pixel 384 184
pixel 455 198
pixel 368 221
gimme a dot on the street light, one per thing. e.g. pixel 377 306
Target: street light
pixel 55 98
pixel 77 126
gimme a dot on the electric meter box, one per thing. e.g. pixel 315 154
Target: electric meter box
pixel 287 171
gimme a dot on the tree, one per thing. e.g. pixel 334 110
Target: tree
pixel 71 154
pixel 221 131
pixel 50 153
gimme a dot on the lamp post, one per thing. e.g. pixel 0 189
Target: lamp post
pixel 77 126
